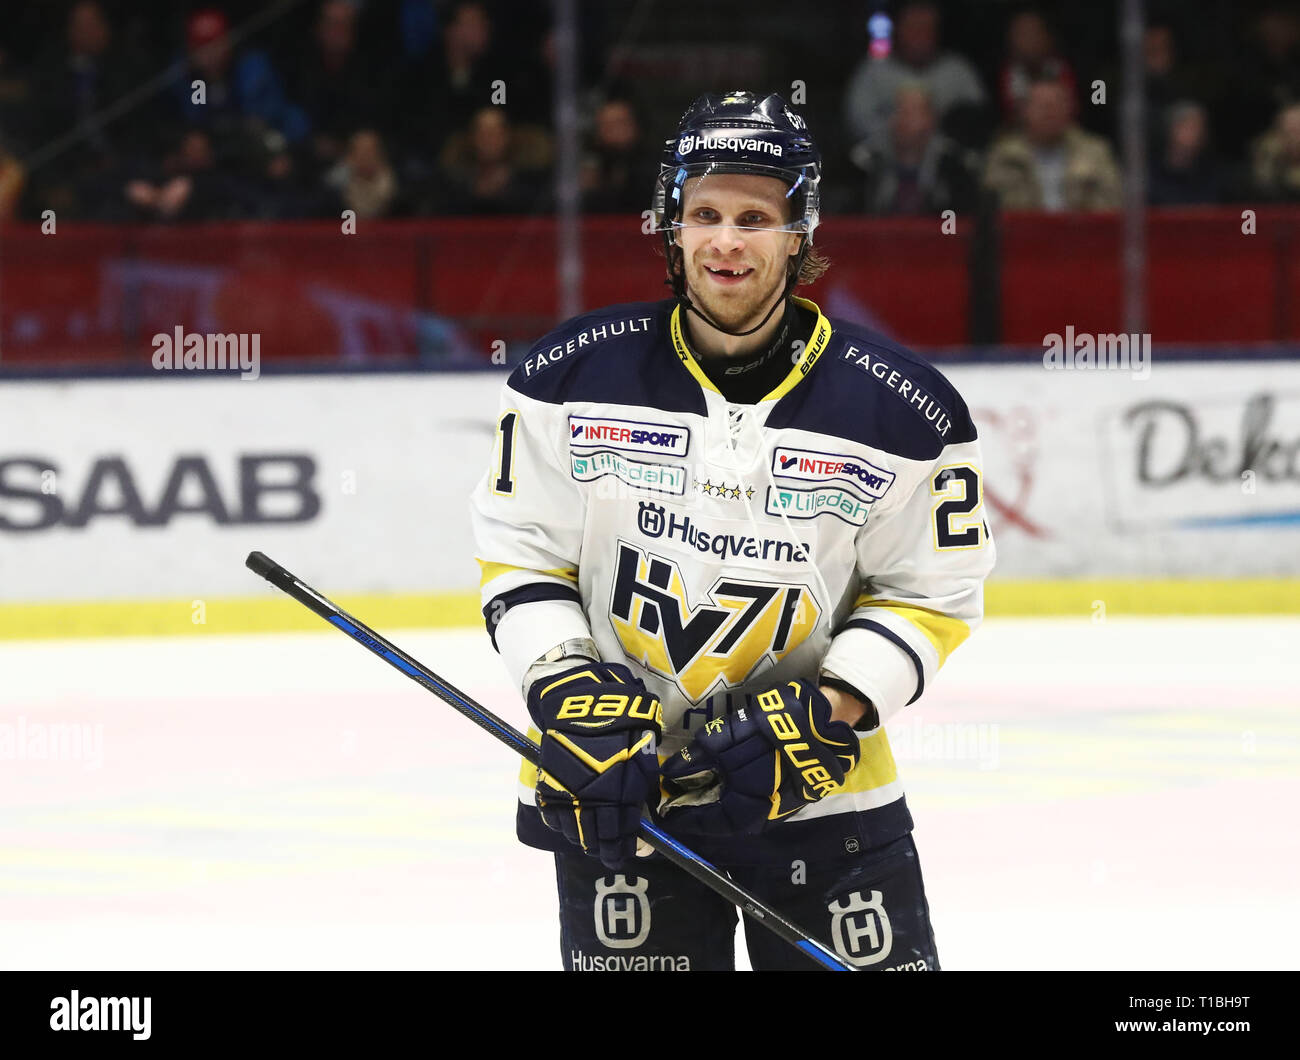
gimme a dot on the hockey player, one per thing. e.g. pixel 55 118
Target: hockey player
pixel 723 539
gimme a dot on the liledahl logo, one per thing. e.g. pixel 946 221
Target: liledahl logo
pixel 687 144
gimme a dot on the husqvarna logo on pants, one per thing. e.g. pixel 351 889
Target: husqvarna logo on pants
pixel 622 912
pixel 860 928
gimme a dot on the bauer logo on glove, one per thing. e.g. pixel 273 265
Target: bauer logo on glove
pixel 600 729
pixel 775 755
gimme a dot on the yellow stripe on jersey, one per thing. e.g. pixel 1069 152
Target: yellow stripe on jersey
pixel 875 769
pixel 528 771
pixel 821 337
pixel 489 570
pixel 684 352
pixel 943 631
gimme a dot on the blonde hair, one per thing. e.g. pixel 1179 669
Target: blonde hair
pixel 813 267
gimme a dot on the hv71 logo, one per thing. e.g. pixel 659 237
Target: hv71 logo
pixel 717 641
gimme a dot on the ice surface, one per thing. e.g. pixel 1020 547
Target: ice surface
pixel 1087 795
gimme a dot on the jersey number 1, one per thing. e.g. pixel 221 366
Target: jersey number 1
pixel 505 467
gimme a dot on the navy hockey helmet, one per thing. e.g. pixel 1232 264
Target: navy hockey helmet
pixel 737 132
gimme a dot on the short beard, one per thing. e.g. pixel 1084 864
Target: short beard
pixel 733 317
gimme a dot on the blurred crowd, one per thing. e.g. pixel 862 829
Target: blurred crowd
pixel 398 108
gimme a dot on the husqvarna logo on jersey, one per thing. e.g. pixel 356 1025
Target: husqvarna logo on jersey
pixel 665 439
pixel 622 911
pixel 860 928
pixel 650 519
pixel 808 465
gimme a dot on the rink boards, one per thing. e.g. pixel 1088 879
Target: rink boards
pixel 127 505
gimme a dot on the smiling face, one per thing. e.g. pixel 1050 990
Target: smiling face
pixel 733 272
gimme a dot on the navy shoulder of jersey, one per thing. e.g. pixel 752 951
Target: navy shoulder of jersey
pixel 866 388
pixel 618 355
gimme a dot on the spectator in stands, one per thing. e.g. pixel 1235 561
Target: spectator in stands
pixel 1166 84
pixel 242 97
pixel 1267 78
pixel 15 93
pixel 1275 158
pixel 620 155
pixel 70 87
pixel 13 177
pixel 1185 173
pixel 417 22
pixel 532 85
pixel 74 84
pixel 1050 163
pixel 953 86
pixel 1032 55
pixel 190 186
pixel 334 84
pixel 285 187
pixel 363 179
pixel 921 170
pixel 493 167
pixel 1167 79
pixel 442 97
pixel 465 84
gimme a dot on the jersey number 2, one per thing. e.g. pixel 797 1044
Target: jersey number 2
pixel 959 485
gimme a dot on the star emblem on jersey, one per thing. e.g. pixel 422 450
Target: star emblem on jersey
pixel 722 489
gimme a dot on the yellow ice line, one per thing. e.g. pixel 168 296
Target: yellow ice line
pixel 268 614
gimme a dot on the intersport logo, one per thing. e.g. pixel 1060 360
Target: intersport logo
pixel 630 436
pixel 809 465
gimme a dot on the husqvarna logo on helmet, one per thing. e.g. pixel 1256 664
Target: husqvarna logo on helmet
pixel 622 911
pixel 690 143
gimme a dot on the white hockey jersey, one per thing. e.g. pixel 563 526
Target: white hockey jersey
pixel 834 526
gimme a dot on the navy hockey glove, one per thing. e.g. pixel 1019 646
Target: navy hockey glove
pixel 777 754
pixel 600 728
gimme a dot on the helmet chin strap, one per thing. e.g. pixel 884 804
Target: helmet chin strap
pixel 679 289
pixel 692 308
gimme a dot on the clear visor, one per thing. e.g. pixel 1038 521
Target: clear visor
pixel 745 197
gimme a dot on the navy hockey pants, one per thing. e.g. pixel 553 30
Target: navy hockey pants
pixel 869 907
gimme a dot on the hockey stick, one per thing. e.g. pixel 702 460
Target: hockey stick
pixel 661 841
